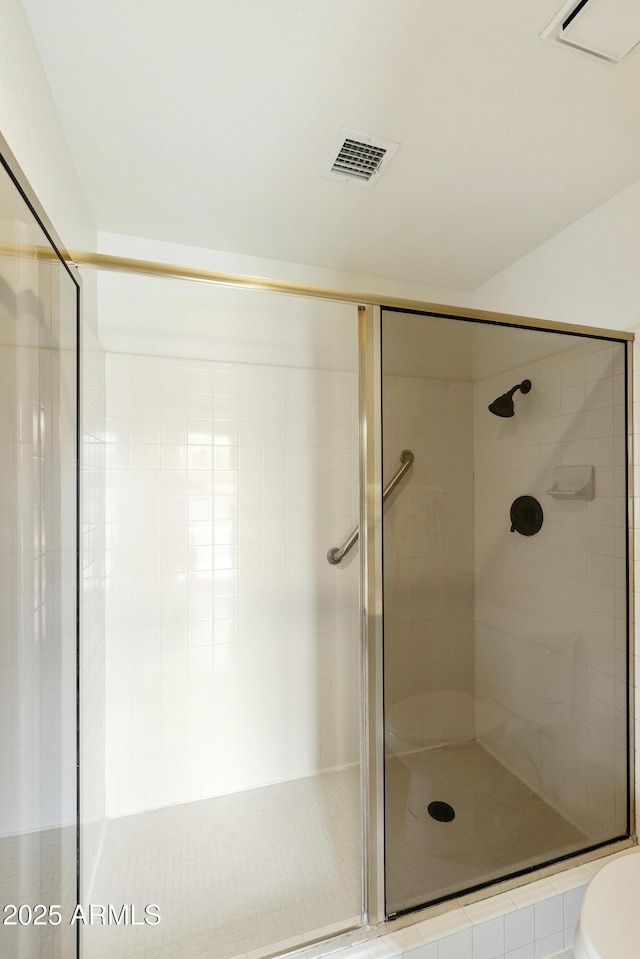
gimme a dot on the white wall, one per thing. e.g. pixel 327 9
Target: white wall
pixel 587 274
pixel 30 124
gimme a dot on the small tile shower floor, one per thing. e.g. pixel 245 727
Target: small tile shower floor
pixel 235 873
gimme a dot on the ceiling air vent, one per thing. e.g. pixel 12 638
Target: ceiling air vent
pixel 606 29
pixel 358 158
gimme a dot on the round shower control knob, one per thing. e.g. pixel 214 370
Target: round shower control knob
pixel 526 515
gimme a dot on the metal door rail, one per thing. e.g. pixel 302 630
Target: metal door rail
pixel 337 553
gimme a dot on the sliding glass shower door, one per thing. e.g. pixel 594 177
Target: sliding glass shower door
pixel 38 631
pixel 232 697
pixel 505 601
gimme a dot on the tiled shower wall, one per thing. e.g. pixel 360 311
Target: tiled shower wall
pixel 550 609
pixel 428 560
pixel 232 644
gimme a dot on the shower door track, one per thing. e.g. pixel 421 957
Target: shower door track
pixel 119 264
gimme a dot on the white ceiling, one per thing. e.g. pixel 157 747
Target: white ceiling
pixel 206 123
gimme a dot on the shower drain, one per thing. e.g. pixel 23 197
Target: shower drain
pixel 441 811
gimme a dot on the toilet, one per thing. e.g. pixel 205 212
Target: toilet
pixel 609 922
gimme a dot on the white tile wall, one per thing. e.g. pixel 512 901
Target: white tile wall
pixel 428 559
pixel 550 609
pixel 536 921
pixel 231 642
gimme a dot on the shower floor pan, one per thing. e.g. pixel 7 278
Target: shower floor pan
pixel 235 875
pixel 500 825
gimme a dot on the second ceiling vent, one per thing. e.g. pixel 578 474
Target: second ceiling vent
pixel 358 158
pixel 605 29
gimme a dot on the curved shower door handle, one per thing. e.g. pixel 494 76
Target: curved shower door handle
pixel 337 553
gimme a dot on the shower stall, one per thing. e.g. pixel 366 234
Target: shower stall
pixel 353 607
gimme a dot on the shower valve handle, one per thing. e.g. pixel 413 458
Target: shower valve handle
pixel 526 516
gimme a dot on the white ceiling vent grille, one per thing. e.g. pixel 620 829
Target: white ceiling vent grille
pixel 358 158
pixel 606 29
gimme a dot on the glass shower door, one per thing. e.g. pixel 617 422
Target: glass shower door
pixel 38 638
pixel 232 645
pixel 505 601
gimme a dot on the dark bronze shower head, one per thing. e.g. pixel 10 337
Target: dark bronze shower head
pixel 503 405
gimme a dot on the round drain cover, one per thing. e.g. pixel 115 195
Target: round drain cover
pixel 441 811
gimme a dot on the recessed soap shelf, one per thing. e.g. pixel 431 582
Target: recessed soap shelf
pixel 572 482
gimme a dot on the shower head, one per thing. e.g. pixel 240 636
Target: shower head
pixel 503 406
